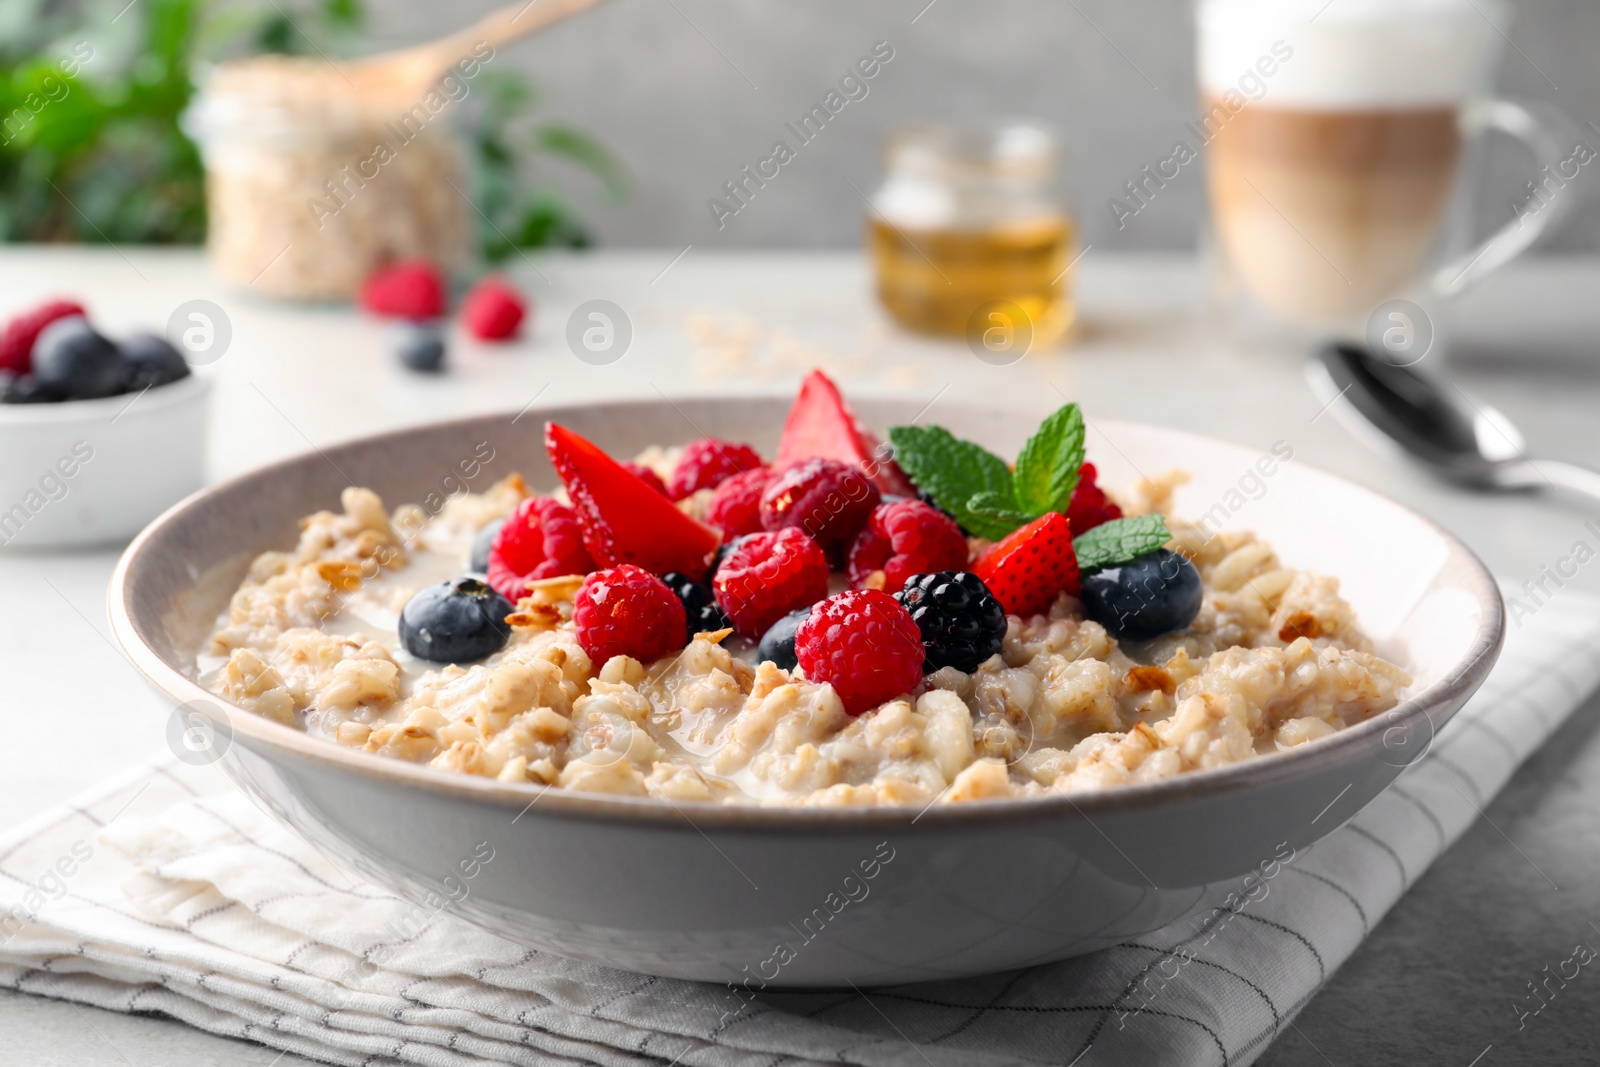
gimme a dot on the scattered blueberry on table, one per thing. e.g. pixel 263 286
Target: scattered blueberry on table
pixel 418 346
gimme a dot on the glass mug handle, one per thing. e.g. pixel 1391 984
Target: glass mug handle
pixel 1543 142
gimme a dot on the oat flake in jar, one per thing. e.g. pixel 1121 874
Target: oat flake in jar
pixel 311 186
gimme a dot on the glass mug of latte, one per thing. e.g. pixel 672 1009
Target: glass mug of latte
pixel 1334 135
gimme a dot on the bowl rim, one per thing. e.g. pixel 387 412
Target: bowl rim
pixel 553 801
pixel 74 412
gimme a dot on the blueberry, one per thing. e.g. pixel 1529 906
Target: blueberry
pixel 458 621
pixel 777 644
pixel 722 553
pixel 77 362
pixel 1153 595
pixel 148 360
pixel 961 622
pixel 418 346
pixel 478 562
pixel 699 604
pixel 29 390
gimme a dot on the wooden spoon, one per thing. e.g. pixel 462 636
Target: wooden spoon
pixel 408 72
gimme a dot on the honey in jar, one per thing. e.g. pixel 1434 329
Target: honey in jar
pixel 966 223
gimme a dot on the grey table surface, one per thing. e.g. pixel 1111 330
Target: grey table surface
pixel 1437 980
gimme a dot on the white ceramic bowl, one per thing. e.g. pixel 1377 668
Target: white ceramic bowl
pixel 94 472
pixel 709 892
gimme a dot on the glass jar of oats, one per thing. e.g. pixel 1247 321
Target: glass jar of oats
pixel 310 185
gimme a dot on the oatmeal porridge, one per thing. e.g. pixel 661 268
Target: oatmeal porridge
pixel 835 627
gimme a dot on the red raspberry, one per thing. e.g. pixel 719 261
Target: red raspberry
pixel 1089 506
pixel 905 538
pixel 647 476
pixel 864 644
pixel 541 539
pixel 735 506
pixel 707 463
pixel 411 289
pixel 627 611
pixel 16 344
pixel 493 310
pixel 767 575
pixel 828 499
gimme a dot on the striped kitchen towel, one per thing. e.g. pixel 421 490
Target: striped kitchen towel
pixel 171 892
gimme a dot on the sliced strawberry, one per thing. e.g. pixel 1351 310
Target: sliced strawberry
pixel 822 426
pixel 1032 566
pixel 625 520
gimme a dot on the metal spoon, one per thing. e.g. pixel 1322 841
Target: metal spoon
pixel 1439 425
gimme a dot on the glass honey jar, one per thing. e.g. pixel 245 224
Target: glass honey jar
pixel 967 219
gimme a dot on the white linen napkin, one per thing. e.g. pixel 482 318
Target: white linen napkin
pixel 170 892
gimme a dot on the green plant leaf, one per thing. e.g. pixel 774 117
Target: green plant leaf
pixel 587 153
pixel 1048 465
pixel 1120 541
pixel 953 471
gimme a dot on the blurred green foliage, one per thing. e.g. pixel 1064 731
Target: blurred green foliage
pixel 92 94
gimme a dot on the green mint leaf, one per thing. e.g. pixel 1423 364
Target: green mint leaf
pixel 1120 541
pixel 993 516
pixel 950 470
pixel 1048 465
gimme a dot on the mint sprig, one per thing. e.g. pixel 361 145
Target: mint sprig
pixel 1119 541
pixel 955 473
pixel 1049 463
pixel 979 489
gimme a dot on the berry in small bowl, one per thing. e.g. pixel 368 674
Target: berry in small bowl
pixel 98 437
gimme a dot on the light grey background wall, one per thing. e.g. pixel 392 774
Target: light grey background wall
pixel 689 91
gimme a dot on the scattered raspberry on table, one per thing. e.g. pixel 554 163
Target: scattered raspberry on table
pixel 493 310
pixel 410 289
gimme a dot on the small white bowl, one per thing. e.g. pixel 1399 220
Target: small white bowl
pixel 94 472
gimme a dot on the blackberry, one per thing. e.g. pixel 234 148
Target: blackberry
pixel 961 623
pixel 698 603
